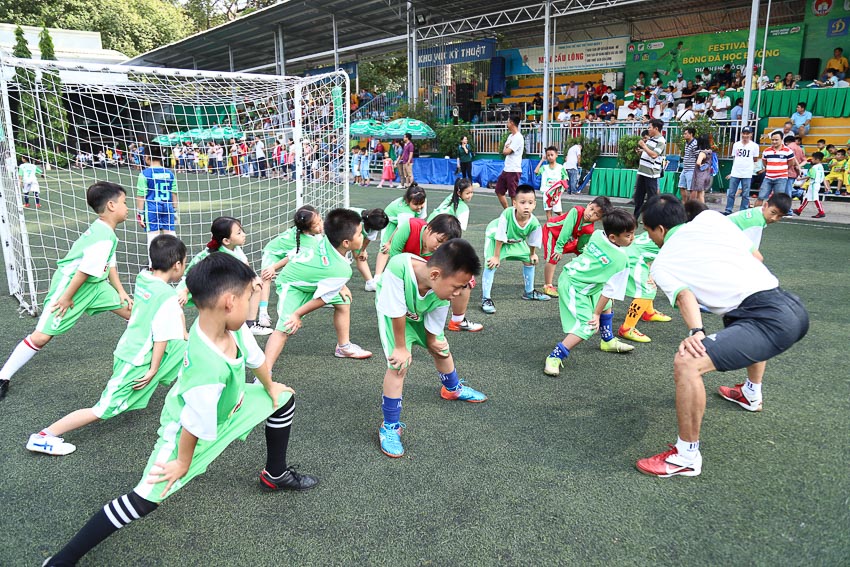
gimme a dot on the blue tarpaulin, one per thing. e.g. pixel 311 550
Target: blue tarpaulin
pixel 441 171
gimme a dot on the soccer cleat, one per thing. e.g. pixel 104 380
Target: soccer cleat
pixel 633 335
pixel 655 317
pixel 463 393
pixel 264 320
pixel 553 366
pixel 351 351
pixel 487 306
pixel 26 205
pixel 4 388
pixel 49 445
pixel 670 463
pixel 550 290
pixel 736 395
pixel 370 286
pixel 819 216
pixel 289 480
pixel 465 325
pixel 535 295
pixel 615 345
pixel 259 331
pixel 390 436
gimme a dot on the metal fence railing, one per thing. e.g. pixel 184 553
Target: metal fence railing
pixel 381 107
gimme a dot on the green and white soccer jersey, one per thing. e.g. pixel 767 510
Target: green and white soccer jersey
pixel 28 172
pixel 284 245
pixel 397 295
pixel 516 238
pixel 446 208
pixel 641 253
pixel 397 211
pixel 212 402
pixel 752 222
pixel 602 269
pixel 313 273
pixel 93 254
pixel 548 177
pixel 236 253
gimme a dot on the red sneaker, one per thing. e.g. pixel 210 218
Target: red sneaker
pixel 670 463
pixel 736 395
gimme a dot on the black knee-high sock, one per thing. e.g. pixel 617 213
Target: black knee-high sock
pixel 278 426
pixel 109 519
pixel 26 199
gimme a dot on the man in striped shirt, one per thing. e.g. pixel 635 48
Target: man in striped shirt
pixel 777 159
pixel 688 162
pixel 649 169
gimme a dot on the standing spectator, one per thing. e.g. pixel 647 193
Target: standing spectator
pixel 688 162
pixel 687 113
pixel 777 159
pixel 587 97
pixel 571 164
pixel 649 169
pixel 721 104
pixel 802 120
pixel 723 78
pixel 744 155
pixel 259 157
pixel 838 62
pixel 703 175
pixel 699 105
pixel 378 151
pixel 737 112
pixel 464 153
pixel 234 156
pixel 668 115
pixel 571 96
pixel 795 169
pixel 510 176
pixel 395 155
pixel 600 90
pixel 407 161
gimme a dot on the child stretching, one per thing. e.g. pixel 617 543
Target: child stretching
pixel 640 254
pixel 306 230
pixel 514 235
pixel 208 408
pixel 815 182
pixel 149 353
pixel 85 282
pixel 388 171
pixel 316 277
pixel 372 223
pixel 552 175
pixel 411 204
pixel 588 284
pixel 753 221
pixel 580 221
pixel 412 303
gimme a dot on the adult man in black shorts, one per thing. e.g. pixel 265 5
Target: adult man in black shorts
pixel 509 178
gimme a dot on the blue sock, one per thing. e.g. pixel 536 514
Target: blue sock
pixel 264 305
pixel 528 277
pixel 560 351
pixel 487 282
pixel 450 380
pixel 392 409
pixel 606 329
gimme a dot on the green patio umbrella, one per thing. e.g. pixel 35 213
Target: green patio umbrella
pixel 367 128
pixel 168 139
pixel 417 129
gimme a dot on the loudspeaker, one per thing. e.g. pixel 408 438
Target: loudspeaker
pixel 469 109
pixel 464 92
pixel 809 69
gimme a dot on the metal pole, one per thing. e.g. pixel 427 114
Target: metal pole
pixel 415 56
pixel 280 50
pixel 763 52
pixel 230 56
pixel 336 41
pixel 547 33
pixel 751 53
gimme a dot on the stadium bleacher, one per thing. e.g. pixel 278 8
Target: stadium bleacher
pixel 832 130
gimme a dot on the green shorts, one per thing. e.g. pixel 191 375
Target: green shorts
pixel 256 407
pixel 415 333
pixel 518 251
pixel 290 299
pixel 90 299
pixel 119 395
pixel 576 309
pixel 638 285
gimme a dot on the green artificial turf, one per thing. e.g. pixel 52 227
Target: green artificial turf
pixel 543 473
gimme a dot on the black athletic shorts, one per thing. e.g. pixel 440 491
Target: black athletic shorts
pixel 766 323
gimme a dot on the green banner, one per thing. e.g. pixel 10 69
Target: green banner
pixel 691 54
pixel 827 27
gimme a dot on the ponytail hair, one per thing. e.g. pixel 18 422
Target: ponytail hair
pixel 415 195
pixel 302 220
pixel 461 185
pixel 221 229
pixel 374 219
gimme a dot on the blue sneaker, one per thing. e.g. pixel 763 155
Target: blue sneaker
pixel 390 435
pixel 463 393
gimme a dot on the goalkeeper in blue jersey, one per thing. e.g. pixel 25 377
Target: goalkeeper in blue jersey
pixel 156 197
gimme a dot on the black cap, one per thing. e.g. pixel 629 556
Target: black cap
pixel 746 130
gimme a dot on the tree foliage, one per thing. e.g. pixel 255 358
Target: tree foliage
pixel 25 122
pixel 387 75
pixel 627 153
pixel 52 107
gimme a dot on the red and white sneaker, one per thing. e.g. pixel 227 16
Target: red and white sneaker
pixel 351 350
pixel 736 395
pixel 670 463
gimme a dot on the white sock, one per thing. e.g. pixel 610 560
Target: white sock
pixel 458 318
pixel 752 391
pixel 264 311
pixel 20 356
pixel 687 449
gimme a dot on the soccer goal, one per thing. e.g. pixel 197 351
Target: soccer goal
pixel 254 147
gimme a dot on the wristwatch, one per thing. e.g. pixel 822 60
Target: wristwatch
pixel 696 330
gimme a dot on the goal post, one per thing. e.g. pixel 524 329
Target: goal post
pixel 250 146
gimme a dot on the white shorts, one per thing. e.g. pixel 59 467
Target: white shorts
pixel 556 206
pixel 32 186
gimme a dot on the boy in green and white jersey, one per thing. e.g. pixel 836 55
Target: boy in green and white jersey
pixel 640 288
pixel 208 408
pixel 373 222
pixel 752 221
pixel 27 173
pixel 551 175
pixel 149 353
pixel 85 282
pixel 412 303
pixel 315 277
pixel 587 286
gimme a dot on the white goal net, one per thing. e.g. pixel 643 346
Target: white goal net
pixel 254 147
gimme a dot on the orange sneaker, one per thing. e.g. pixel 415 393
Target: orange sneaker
pixel 465 325
pixel 550 290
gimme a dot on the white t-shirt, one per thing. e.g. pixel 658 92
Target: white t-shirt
pixel 571 161
pixel 724 273
pixel 513 161
pixel 563 116
pixel 742 156
pixel 260 149
pixel 720 105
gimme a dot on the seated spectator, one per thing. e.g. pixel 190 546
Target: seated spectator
pixel 838 63
pixel 789 82
pixel 763 81
pixel 606 109
pixel 537 102
pixel 802 120
pixel 837 171
pixel 688 113
pixel 640 82
pixel 668 114
pixel 777 83
pixel 706 76
pixel 587 96
pixel 563 117
pixel 787 129
pixel 571 96
pixel 699 105
pixel 600 89
pixel 609 92
pixel 723 78
pixel 679 86
pixel 655 80
pixel 832 80
pixel 737 112
pixel 738 80
pixel 689 91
